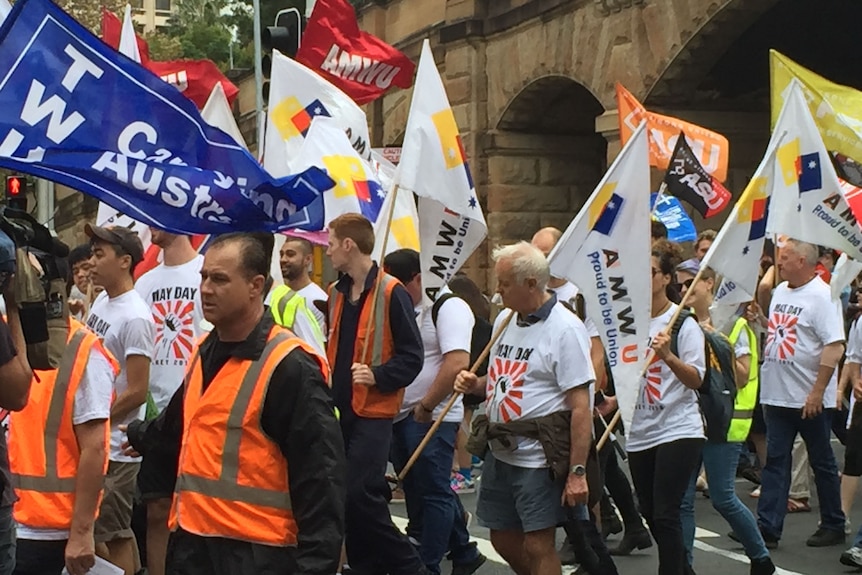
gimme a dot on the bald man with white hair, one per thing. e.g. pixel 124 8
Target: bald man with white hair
pixel 798 391
pixel 538 381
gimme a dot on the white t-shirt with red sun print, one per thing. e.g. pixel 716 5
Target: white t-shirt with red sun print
pixel 666 410
pixel 802 321
pixel 173 295
pixel 530 370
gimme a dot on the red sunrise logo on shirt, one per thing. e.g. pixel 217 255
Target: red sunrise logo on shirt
pixel 506 376
pixel 174 319
pixel 781 341
pixel 652 389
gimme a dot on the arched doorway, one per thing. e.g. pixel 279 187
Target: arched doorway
pixel 722 73
pixel 544 158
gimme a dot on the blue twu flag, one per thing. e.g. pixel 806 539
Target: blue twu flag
pixel 74 111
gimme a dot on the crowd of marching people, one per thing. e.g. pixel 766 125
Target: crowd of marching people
pixel 202 420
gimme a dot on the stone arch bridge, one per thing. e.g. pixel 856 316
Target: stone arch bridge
pixel 531 83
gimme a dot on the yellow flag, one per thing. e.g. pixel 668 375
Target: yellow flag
pixel 837 109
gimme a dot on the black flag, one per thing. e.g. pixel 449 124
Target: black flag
pixel 687 179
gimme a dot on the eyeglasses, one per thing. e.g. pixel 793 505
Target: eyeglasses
pixel 687 283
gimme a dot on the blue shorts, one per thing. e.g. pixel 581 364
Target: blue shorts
pixel 518 498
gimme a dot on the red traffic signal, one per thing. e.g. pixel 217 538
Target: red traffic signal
pixel 14 186
pixel 16 192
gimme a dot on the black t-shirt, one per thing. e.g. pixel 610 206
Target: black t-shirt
pixel 7 354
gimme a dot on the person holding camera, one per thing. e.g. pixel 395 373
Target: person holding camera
pixel 15 377
pixel 124 322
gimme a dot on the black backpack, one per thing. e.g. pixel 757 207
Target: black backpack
pixel 482 331
pixel 717 395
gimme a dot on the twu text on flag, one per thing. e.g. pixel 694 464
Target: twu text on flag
pixel 74 111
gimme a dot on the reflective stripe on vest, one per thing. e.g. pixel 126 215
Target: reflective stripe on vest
pixel 283 308
pixel 379 320
pixel 51 482
pixel 286 303
pixel 746 398
pixel 226 487
pixel 367 402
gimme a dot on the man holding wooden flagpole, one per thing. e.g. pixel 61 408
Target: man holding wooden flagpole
pixel 374 352
pixel 537 386
pixel 435 511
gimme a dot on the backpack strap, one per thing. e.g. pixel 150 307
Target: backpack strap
pixel 684 314
pixel 438 303
pixel 581 306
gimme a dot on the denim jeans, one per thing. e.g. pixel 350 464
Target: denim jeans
pixel 432 506
pixel 719 460
pixel 782 425
pixel 857 541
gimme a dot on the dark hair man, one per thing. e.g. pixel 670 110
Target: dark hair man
pixel 261 481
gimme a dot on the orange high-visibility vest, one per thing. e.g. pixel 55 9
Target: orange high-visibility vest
pixel 367 401
pixel 43 448
pixel 233 479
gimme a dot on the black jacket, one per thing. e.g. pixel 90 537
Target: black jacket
pixel 298 415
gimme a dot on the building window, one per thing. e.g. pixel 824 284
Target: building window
pixel 137 4
pixel 163 5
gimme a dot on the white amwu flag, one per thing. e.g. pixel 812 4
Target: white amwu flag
pixel 297 95
pixel 404 227
pixel 5 8
pixel 808 201
pixel 735 253
pixel 106 215
pixel 433 166
pixel 605 251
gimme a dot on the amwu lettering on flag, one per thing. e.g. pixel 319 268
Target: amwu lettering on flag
pixel 74 111
pixel 808 201
pixel 434 166
pixel 605 251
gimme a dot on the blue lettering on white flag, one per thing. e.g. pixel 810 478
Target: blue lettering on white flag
pixel 74 111
pixel 670 212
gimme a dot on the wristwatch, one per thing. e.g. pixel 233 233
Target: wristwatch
pixel 578 470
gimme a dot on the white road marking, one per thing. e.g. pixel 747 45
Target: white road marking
pixel 700 533
pixel 488 551
pixel 707 548
pixel 485 547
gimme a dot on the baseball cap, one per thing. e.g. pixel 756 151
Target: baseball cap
pixel 402 264
pixel 691 266
pixel 124 238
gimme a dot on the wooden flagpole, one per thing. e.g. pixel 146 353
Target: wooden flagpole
pixel 650 355
pixel 386 230
pixel 455 397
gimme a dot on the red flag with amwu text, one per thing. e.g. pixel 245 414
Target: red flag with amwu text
pixel 360 64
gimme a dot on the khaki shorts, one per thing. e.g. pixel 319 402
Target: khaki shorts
pixel 115 514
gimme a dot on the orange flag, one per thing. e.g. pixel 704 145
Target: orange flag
pixel 711 148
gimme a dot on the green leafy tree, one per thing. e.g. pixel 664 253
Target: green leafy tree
pixel 89 13
pixel 201 40
pixel 164 47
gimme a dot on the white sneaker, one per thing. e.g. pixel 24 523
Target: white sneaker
pixel 852 557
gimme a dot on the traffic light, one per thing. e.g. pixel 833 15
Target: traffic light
pixel 16 192
pixel 284 37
